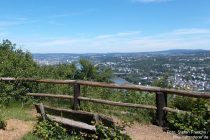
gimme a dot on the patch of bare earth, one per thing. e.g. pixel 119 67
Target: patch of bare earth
pixel 16 129
pixel 150 132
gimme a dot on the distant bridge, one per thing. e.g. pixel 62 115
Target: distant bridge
pixel 119 73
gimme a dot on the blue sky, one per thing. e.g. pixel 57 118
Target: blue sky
pixel 94 26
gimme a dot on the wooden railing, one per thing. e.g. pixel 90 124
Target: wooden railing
pixel 161 95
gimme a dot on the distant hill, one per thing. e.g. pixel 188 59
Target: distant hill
pixel 181 52
pixel 138 54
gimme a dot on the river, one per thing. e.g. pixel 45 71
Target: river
pixel 118 80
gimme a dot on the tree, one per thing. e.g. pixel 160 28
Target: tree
pixel 14 63
pixel 87 71
pixel 17 63
pixel 162 82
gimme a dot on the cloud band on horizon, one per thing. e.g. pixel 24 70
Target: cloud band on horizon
pixel 132 41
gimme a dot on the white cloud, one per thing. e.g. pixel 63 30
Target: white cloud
pixel 194 38
pixel 132 41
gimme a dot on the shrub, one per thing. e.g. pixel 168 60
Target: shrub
pixel 183 103
pixel 109 133
pixel 195 123
pixel 50 131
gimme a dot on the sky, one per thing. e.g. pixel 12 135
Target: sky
pixel 104 26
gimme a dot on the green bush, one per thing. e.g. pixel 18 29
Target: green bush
pixel 109 133
pixel 48 130
pixel 197 121
pixel 183 103
pixel 15 63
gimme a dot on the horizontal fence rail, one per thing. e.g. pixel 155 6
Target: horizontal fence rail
pixel 161 95
pixel 194 94
pixel 107 102
pixel 94 100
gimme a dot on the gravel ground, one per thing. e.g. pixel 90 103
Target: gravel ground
pixel 150 132
pixel 16 129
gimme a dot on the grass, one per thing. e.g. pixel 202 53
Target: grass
pixel 30 136
pixel 126 114
pixel 123 113
pixel 117 95
pixel 17 111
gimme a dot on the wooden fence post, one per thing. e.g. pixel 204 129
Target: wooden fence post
pixel 41 106
pixel 76 102
pixel 161 102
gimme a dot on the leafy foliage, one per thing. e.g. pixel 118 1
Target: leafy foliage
pixel 52 131
pixel 162 82
pixel 30 136
pixel 49 130
pixel 198 120
pixel 87 71
pixel 129 114
pixel 16 63
pixel 109 133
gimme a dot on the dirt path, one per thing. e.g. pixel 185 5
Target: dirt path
pixel 16 129
pixel 150 132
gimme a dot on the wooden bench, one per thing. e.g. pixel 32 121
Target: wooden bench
pixel 80 120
